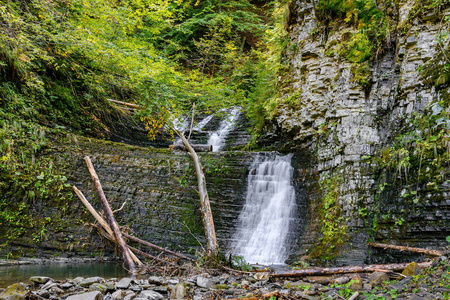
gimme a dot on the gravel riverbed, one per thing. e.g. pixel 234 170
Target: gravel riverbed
pixel 414 283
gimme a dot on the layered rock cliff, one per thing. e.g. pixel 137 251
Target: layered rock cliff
pixel 341 127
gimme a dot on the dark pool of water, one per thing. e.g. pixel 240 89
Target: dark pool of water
pixel 60 271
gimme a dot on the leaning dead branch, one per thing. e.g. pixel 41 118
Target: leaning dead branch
pixel 103 224
pixel 129 264
pixel 407 249
pixel 344 270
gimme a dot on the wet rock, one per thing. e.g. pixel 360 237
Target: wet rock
pixel 204 282
pixel 178 292
pixel 87 296
pixel 16 291
pixel 377 278
pixel 411 270
pixel 150 295
pixel 124 283
pixel 40 279
pixel 88 281
pixel 56 290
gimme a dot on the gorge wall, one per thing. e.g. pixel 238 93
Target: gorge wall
pixel 342 127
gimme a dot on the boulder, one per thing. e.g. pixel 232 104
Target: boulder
pixel 16 291
pixel 40 279
pixel 411 270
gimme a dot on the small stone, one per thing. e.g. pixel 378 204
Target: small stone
pixel 150 295
pixel 96 295
pixel 56 290
pixel 263 276
pixel 67 285
pixel 340 280
pixel 160 289
pixel 178 291
pixel 356 283
pixel 129 295
pixel 377 278
pixel 156 280
pixel 16 291
pixel 124 283
pixel 367 286
pixel 135 288
pixel 411 270
pixel 319 279
pixel 204 282
pixel 220 287
pixel 98 287
pixel 118 295
pixel 43 293
pixel 173 281
pixel 40 279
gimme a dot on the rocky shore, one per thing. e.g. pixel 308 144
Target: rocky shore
pixel 414 283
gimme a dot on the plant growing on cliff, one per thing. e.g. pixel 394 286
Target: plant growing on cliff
pixel 332 224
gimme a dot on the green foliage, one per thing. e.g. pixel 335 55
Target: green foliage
pixel 357 49
pixel 264 98
pixel 361 74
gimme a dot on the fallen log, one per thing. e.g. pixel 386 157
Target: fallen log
pixel 197 148
pixel 129 264
pixel 101 221
pixel 407 249
pixel 156 247
pixel 344 270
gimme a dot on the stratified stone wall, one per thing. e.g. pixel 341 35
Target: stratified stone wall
pixel 342 125
pixel 159 188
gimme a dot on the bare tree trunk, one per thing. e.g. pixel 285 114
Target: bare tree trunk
pixel 408 249
pixel 208 222
pixel 129 264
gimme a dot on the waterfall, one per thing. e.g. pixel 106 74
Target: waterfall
pixel 269 212
pixel 217 138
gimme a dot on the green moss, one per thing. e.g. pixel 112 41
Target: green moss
pixel 361 74
pixel 332 224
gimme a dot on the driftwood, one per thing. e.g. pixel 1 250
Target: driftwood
pixel 129 264
pixel 197 148
pixel 135 239
pixel 407 249
pixel 207 218
pixel 104 225
pixel 124 103
pixel 347 269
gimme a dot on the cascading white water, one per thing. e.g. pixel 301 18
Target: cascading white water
pixel 217 139
pixel 268 213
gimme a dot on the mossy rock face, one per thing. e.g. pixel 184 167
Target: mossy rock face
pixel 17 291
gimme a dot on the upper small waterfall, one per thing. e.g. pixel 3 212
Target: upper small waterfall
pixel 269 212
pixel 217 138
